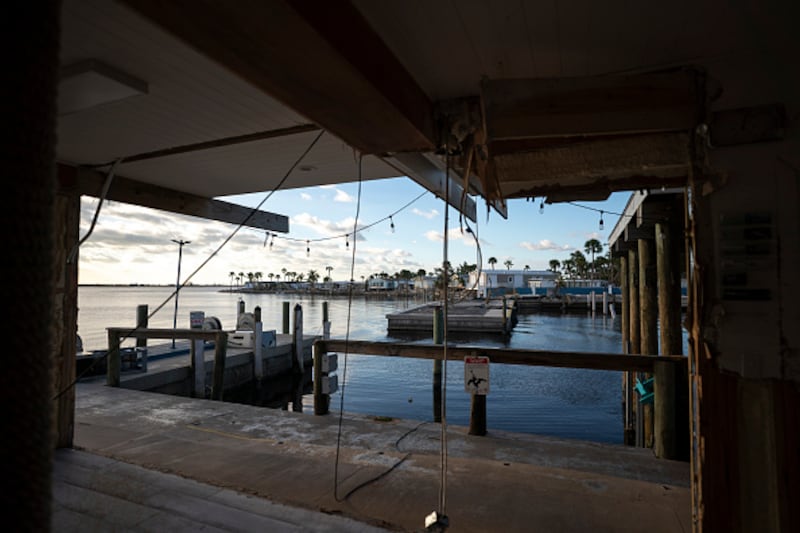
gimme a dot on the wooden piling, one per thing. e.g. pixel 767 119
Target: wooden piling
pixel 141 342
pixel 633 338
pixel 197 367
pixel 297 340
pixel 477 415
pixel 286 318
pixel 664 435
pixel 220 349
pixel 648 313
pixel 321 401
pixel 326 323
pixel 438 338
pixel 629 435
pixel 258 358
pixel 113 360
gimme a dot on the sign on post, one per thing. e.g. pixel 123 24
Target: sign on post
pixel 476 375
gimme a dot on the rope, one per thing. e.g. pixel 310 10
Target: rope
pixel 446 283
pixel 346 352
pixel 103 194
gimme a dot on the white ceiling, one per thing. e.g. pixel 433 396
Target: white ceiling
pixel 447 46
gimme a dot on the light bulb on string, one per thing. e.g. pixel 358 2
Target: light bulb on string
pixel 266 238
pixel 602 225
pixel 541 206
pixel 391 223
pixel 308 249
pixel 271 241
pixel 347 240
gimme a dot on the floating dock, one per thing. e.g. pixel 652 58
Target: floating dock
pixel 472 316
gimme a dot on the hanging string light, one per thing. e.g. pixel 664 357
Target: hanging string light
pixel 347 240
pixel 541 206
pixel 602 225
pixel 308 248
pixel 391 223
pixel 272 241
pixel 266 238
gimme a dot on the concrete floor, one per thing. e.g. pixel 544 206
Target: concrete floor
pixel 388 476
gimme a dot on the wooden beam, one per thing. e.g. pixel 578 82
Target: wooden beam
pixel 321 59
pixel 90 182
pixel 748 125
pixel 596 105
pixel 601 165
pixel 595 361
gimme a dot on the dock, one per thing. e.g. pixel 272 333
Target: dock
pixel 230 464
pixel 496 316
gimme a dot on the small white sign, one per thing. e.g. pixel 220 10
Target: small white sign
pixel 476 375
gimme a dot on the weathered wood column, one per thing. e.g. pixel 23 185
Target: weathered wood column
pixel 648 319
pixel 633 338
pixel 629 435
pixel 669 295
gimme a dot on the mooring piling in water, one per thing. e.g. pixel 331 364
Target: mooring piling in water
pixel 141 343
pixel 438 338
pixel 286 311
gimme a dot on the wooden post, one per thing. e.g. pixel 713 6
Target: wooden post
pixel 197 368
pixel 321 401
pixel 220 349
pixel 633 338
pixel 113 360
pixel 605 302
pixel 258 358
pixel 477 414
pixel 141 342
pixel 326 323
pixel 629 435
pixel 664 445
pixel 438 338
pixel 669 301
pixel 285 318
pixel 648 321
pixel 297 340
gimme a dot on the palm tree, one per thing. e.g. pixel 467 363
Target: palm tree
pixel 508 264
pixel 232 274
pixel 312 278
pixel 240 277
pixel 526 268
pixel 555 265
pixel 329 268
pixel 492 261
pixel 592 247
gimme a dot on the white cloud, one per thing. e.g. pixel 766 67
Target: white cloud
pixel 453 234
pixel 427 214
pixel 305 196
pixel 545 244
pixel 343 197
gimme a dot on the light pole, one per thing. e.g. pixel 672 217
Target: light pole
pixel 180 244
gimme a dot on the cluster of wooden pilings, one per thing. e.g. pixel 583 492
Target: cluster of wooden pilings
pixel 650 250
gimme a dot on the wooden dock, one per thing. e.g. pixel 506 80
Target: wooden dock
pixel 472 316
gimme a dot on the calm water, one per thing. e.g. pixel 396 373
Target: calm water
pixel 570 403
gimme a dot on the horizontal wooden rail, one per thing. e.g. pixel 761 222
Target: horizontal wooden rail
pixel 590 360
pixel 220 338
pixel 166 333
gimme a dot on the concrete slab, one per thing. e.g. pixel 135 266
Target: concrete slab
pixel 383 473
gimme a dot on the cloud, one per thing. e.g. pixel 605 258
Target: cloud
pixel 427 214
pixel 453 234
pixel 343 197
pixel 545 244
pixel 305 196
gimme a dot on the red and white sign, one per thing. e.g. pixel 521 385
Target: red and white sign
pixel 476 375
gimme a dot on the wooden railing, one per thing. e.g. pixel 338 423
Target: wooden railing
pixel 219 337
pixel 664 369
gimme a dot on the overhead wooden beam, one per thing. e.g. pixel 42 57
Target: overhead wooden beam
pixel 593 166
pixel 596 105
pixel 321 59
pixel 90 182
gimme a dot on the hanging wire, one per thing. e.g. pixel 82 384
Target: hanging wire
pixel 202 265
pixel 346 342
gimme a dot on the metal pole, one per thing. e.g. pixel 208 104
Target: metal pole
pixel 180 244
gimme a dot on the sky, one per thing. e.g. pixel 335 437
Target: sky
pixel 134 245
